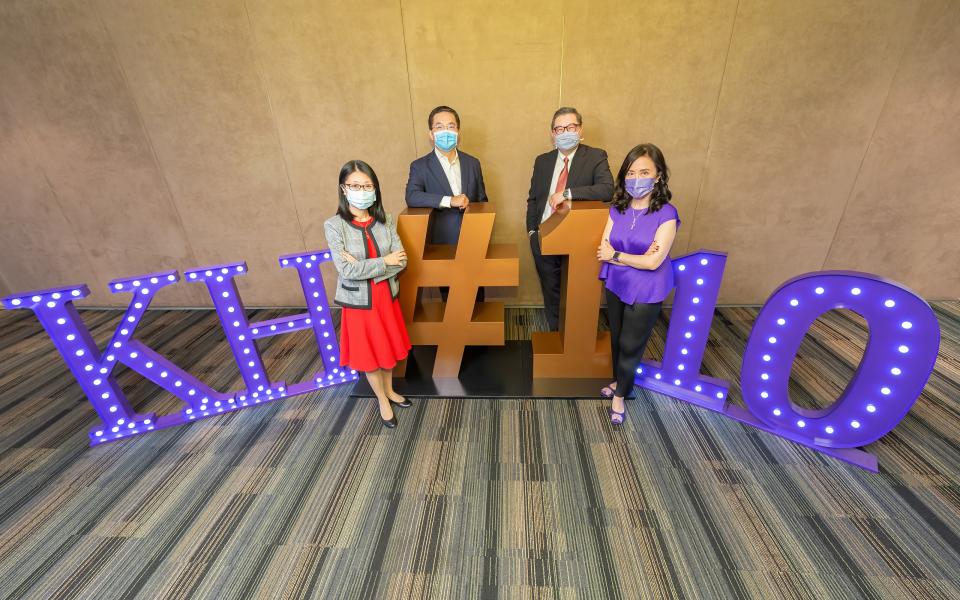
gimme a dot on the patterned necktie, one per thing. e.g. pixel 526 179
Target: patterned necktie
pixel 561 185
pixel 562 180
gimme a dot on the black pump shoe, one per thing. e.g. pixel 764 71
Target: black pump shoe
pixel 389 423
pixel 405 404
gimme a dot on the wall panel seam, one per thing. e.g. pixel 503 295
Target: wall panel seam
pixel 276 125
pixel 713 129
pixel 563 40
pixel 146 133
pixel 866 150
pixel 406 66
pixel 33 157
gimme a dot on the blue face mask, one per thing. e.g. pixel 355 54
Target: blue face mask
pixel 638 188
pixel 567 140
pixel 445 140
pixel 361 199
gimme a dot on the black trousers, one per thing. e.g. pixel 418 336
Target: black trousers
pixel 550 270
pixel 630 329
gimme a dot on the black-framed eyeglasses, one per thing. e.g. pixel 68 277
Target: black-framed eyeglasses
pixel 561 128
pixel 356 187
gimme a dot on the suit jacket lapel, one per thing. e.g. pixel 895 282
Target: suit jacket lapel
pixel 548 167
pixel 465 174
pixel 576 166
pixel 437 171
pixel 546 175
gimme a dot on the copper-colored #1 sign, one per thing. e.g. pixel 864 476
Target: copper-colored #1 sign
pixel 577 350
pixel 465 267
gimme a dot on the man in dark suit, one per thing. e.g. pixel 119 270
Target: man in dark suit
pixel 572 171
pixel 446 179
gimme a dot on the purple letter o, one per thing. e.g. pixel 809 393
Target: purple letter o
pixel 902 346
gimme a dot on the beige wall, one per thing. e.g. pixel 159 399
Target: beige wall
pixel 156 134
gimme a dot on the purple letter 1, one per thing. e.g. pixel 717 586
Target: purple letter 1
pixel 902 346
pixel 697 279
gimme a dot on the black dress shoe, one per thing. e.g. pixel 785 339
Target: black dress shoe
pixel 405 404
pixel 389 423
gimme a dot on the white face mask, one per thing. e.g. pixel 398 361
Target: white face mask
pixel 361 199
pixel 568 140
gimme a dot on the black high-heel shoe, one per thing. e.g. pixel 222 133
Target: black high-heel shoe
pixel 389 423
pixel 405 404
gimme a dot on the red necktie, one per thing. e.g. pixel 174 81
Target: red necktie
pixel 562 180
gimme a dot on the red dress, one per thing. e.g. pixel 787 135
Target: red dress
pixel 374 338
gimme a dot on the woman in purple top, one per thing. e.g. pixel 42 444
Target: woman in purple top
pixel 635 251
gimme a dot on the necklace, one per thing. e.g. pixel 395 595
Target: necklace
pixel 635 212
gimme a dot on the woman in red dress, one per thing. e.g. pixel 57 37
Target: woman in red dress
pixel 368 255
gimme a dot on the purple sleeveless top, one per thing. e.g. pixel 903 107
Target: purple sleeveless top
pixel 638 285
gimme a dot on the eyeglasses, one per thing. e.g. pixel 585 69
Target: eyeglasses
pixel 356 187
pixel 450 127
pixel 561 128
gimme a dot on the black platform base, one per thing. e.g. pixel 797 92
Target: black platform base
pixel 486 372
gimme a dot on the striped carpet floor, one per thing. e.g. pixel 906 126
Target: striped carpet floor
pixel 478 498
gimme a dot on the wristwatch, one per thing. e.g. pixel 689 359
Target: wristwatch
pixel 616 256
pixel 567 195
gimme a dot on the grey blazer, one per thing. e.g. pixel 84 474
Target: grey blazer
pixel 354 286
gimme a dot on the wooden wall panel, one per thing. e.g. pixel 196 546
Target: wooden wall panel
pixel 903 218
pixel 84 199
pixel 803 86
pixel 169 134
pixel 338 89
pixel 498 65
pixel 191 67
pixel 650 72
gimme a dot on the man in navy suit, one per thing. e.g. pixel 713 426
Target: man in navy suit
pixel 572 171
pixel 446 180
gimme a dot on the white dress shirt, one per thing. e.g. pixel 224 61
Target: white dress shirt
pixel 452 170
pixel 557 169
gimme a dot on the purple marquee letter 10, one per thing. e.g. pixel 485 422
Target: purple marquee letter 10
pixel 902 346
pixel 904 338
pixel 697 280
